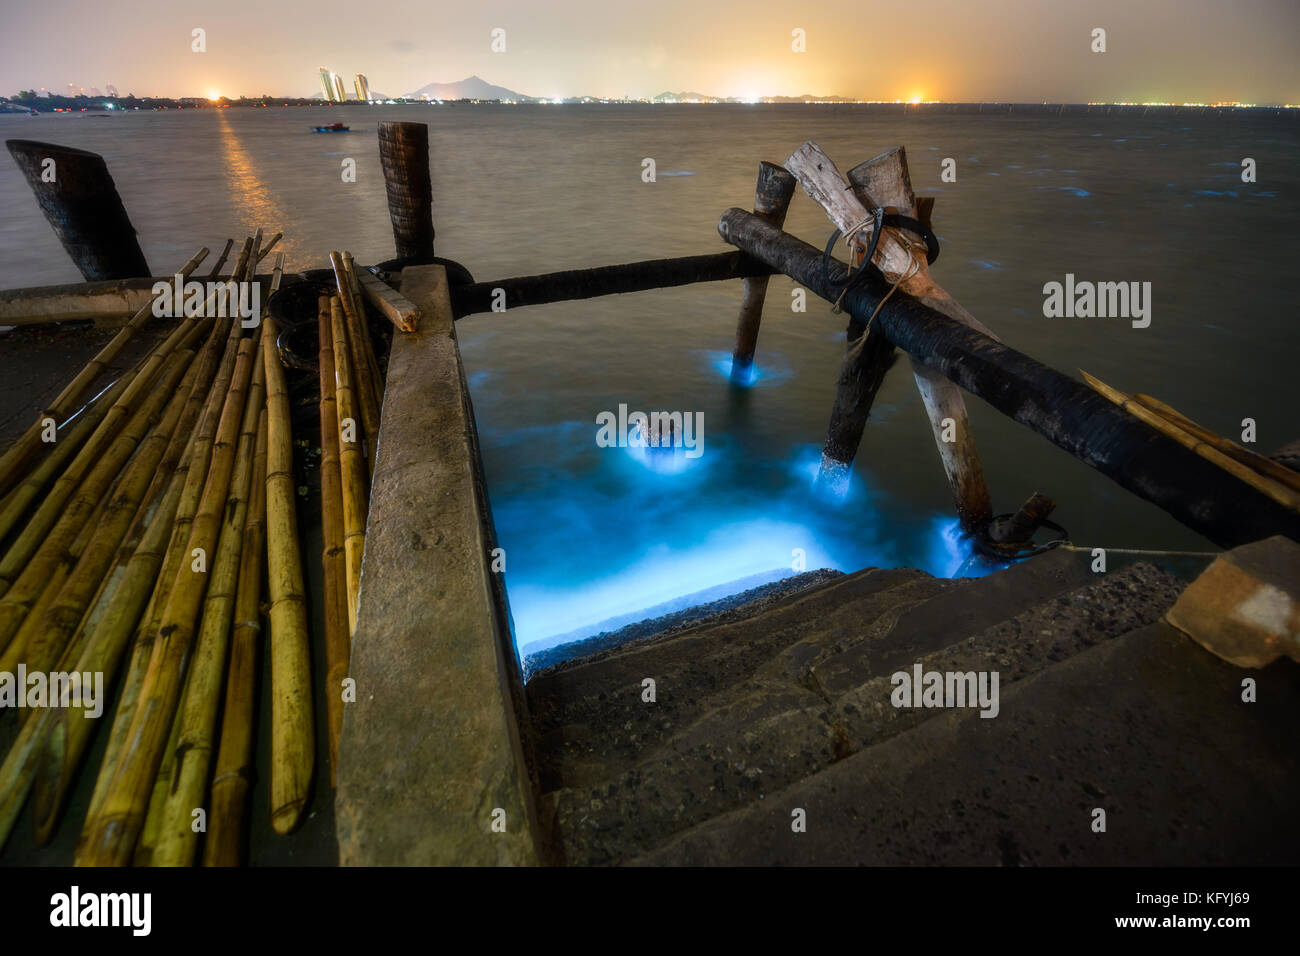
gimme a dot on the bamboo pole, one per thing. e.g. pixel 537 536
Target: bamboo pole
pixel 191 754
pixel 21 496
pixel 41 638
pixel 1267 486
pixel 772 197
pixel 109 836
pixel 116 609
pixel 221 259
pixel 375 374
pixel 356 340
pixel 333 562
pixel 266 250
pixel 58 769
pixel 138 491
pixel 1265 466
pixel 94 450
pixel 351 466
pixel 292 748
pixel 16 456
pixel 153 817
pixel 233 774
pixel 30 578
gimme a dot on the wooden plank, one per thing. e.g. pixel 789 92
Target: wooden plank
pixel 400 310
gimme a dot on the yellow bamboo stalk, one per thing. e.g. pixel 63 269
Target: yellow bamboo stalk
pixel 14 459
pixel 1265 466
pixel 143 481
pixel 266 249
pixel 20 497
pixel 356 341
pixel 1273 489
pixel 56 772
pixel 234 768
pixel 292 748
pixel 142 386
pixel 144 848
pixel 31 580
pixel 176 840
pixel 109 836
pixel 376 376
pixel 352 466
pixel 333 565
pixel 116 609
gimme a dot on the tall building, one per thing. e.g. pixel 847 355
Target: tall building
pixel 363 88
pixel 340 91
pixel 327 84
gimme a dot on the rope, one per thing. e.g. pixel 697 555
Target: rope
pixel 1181 554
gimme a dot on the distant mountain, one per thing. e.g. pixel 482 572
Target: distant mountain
pixel 470 88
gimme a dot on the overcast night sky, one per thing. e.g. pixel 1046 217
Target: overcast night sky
pixel 955 50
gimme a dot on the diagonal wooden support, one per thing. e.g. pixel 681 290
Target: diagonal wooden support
pixel 884 182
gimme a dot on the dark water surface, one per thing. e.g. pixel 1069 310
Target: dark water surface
pixel 590 532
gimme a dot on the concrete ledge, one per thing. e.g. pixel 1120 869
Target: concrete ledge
pixel 431 748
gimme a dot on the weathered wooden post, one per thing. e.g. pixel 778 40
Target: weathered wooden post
pixel 76 192
pixel 884 182
pixel 771 201
pixel 404 155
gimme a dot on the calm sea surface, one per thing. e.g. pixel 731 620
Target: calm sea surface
pixel 592 532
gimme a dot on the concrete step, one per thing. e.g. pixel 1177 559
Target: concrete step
pixel 952 616
pixel 765 733
pixel 1148 727
pixel 590 712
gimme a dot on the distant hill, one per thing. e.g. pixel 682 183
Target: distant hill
pixel 470 88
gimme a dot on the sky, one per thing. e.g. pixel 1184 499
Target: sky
pixel 954 50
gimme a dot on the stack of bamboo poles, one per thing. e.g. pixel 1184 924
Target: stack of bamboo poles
pixel 137 541
pixel 1280 483
pixel 351 389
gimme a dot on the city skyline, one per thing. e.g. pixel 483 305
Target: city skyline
pixel 997 51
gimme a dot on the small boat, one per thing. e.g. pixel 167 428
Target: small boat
pixel 331 128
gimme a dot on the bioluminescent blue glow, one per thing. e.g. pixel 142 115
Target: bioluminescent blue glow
pixel 767 372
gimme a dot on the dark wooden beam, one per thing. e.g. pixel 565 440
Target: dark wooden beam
pixel 605 280
pixel 1064 411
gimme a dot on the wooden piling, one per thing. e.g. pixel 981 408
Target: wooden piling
pixel 771 201
pixel 884 182
pixel 404 156
pixel 1066 412
pixel 76 192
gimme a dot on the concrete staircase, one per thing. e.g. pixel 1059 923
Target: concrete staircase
pixel 787 707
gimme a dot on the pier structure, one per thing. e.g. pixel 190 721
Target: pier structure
pixel 444 757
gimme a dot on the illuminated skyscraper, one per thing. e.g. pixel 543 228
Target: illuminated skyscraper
pixel 327 84
pixel 340 91
pixel 363 88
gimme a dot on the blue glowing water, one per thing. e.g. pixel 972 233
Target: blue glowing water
pixel 592 532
